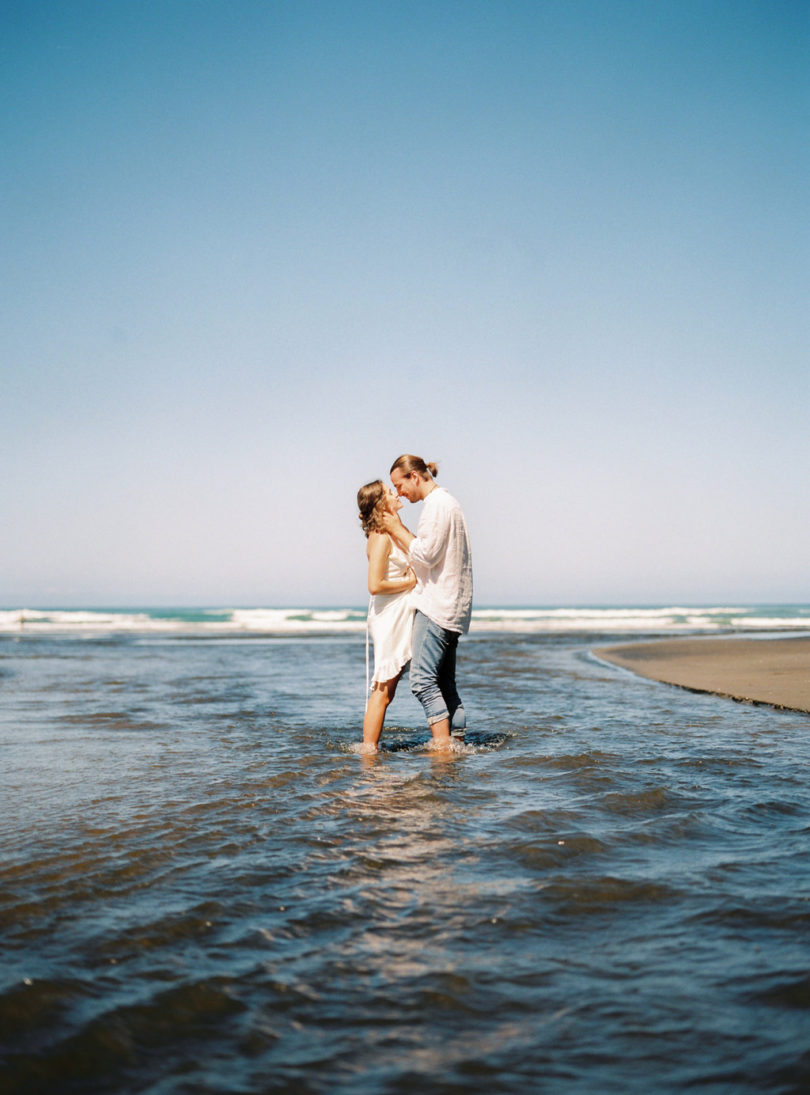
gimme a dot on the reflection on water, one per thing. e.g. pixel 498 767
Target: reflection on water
pixel 205 888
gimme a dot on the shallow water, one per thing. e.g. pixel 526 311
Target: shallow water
pixel 204 888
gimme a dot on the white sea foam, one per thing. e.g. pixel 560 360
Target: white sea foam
pixel 75 620
pixel 326 620
pixel 776 623
pixel 632 619
pixel 297 620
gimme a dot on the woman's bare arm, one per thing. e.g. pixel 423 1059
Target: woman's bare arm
pixel 378 551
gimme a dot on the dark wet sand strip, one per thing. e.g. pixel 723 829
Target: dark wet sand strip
pixel 771 671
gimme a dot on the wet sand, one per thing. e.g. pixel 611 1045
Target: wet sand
pixel 769 671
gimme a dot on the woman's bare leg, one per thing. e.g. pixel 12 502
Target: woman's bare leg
pixel 381 695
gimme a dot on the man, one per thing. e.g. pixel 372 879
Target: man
pixel 439 554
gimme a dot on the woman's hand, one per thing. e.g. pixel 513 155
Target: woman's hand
pixel 410 577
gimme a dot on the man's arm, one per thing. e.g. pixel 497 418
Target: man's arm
pixel 428 548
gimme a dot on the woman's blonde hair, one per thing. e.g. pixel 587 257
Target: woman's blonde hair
pixel 371 503
pixel 408 464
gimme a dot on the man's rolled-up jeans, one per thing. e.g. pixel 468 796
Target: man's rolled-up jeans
pixel 433 673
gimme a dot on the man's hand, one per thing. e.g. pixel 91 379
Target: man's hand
pixel 397 531
pixel 393 525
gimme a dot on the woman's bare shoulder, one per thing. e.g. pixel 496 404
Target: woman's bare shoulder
pixel 379 543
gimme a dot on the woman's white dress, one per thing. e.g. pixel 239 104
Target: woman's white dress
pixel 390 622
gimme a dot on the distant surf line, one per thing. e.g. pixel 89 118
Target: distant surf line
pixel 621 619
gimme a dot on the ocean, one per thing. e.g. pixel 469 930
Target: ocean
pixel 204 887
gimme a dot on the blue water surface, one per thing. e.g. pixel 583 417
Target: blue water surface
pixel 204 888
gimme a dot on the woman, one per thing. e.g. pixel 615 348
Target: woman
pixel 390 615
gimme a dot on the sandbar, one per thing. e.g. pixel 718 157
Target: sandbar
pixel 763 670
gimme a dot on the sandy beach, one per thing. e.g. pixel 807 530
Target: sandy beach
pixel 769 671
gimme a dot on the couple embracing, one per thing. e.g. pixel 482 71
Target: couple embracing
pixel 421 589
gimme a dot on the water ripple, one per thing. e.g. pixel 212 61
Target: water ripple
pixel 205 888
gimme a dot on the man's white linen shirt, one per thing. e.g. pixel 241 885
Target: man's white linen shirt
pixel 441 559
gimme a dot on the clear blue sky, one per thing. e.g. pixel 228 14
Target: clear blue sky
pixel 251 252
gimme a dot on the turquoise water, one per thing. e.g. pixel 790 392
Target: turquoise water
pixel 204 888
